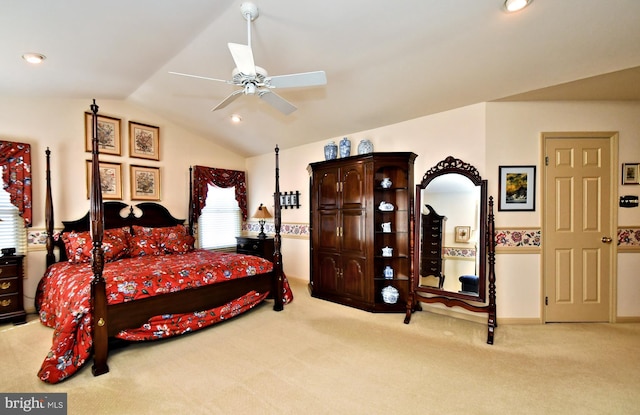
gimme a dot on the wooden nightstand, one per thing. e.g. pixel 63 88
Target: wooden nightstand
pixel 11 302
pixel 252 245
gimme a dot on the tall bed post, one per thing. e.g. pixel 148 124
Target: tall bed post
pixel 277 257
pixel 191 200
pixel 48 213
pixel 98 286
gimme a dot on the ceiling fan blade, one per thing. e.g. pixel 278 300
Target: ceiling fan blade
pixel 297 80
pixel 200 77
pixel 277 101
pixel 228 100
pixel 243 57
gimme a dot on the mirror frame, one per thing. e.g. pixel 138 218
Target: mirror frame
pixel 487 243
pixel 448 166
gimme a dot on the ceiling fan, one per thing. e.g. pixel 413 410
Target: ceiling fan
pixel 254 80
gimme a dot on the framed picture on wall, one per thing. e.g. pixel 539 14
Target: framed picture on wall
pixel 463 233
pixel 110 180
pixel 145 183
pixel 109 139
pixel 631 173
pixel 144 141
pixel 517 186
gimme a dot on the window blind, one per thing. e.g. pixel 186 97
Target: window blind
pixel 221 219
pixel 13 233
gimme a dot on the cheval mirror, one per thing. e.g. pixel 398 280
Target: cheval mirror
pixel 454 243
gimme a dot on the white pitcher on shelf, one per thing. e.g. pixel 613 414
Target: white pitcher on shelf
pixel 386 227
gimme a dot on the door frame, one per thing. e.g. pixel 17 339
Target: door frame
pixel 613 220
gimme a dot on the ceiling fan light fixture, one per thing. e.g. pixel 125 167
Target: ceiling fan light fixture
pixel 512 6
pixel 34 58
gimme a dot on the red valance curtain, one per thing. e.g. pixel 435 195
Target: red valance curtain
pixel 15 158
pixel 204 176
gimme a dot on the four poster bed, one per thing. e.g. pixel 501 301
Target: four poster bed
pixel 137 277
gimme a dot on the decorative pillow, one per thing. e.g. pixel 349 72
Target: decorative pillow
pixel 79 245
pixel 158 241
pixel 142 245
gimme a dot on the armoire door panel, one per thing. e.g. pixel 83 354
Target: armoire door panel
pixel 353 277
pixel 352 187
pixel 353 232
pixel 326 274
pixel 328 230
pixel 328 189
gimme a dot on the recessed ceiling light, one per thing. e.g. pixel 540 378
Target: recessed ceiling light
pixel 516 5
pixel 235 118
pixel 34 58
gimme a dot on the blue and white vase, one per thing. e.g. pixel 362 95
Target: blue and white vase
pixel 330 151
pixel 365 147
pixel 345 147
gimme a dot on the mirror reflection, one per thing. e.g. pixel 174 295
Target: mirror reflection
pixel 450 235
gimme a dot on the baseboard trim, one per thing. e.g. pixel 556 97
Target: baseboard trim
pixel 630 319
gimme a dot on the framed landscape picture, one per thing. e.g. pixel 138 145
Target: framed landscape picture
pixel 145 183
pixel 110 180
pixel 144 141
pixel 109 139
pixel 517 186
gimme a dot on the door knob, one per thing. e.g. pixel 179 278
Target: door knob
pixel 606 239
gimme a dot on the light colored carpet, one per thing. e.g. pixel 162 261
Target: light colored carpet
pixel 317 357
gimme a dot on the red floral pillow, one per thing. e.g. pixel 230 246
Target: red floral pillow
pixel 79 245
pixel 142 245
pixel 158 241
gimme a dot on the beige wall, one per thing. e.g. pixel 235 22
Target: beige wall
pixel 487 136
pixel 59 125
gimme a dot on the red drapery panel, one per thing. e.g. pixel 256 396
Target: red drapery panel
pixel 204 176
pixel 15 158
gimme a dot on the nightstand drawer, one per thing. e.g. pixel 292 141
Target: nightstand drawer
pixel 8 269
pixel 250 246
pixel 11 292
pixel 255 246
pixel 8 285
pixel 9 303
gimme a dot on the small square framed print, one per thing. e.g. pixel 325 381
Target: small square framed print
pixel 109 139
pixel 110 180
pixel 144 141
pixel 631 173
pixel 145 183
pixel 463 233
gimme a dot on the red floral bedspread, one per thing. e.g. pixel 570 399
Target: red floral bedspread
pixel 66 287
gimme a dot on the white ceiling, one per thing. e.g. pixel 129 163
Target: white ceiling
pixel 385 61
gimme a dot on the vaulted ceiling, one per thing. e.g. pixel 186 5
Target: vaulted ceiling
pixel 385 62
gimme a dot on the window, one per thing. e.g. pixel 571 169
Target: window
pixel 12 230
pixel 221 219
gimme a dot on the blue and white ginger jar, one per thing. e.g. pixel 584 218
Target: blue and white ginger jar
pixel 365 147
pixel 345 147
pixel 330 151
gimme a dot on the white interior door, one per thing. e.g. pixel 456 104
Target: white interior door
pixel 578 226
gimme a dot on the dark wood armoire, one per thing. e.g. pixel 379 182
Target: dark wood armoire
pixel 354 260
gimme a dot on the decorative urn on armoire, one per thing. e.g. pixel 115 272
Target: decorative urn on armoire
pixel 365 147
pixel 345 147
pixel 330 151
